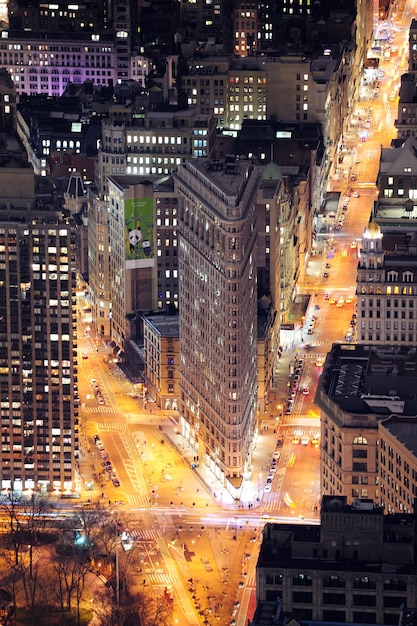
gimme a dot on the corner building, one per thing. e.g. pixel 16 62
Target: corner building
pixel 218 313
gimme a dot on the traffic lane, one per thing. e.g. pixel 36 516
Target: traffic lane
pixel 300 490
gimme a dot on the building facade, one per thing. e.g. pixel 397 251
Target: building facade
pixel 132 259
pixel 161 359
pixel 217 300
pixel 357 566
pixel 152 143
pixel 387 285
pixel 360 387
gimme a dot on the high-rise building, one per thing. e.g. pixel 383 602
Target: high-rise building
pixel 38 365
pixel 218 312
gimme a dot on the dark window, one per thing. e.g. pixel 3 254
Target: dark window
pixel 360 617
pixel 365 600
pixel 395 601
pixel 334 616
pixel 305 597
pixel 334 598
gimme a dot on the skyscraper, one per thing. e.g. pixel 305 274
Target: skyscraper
pixel 218 312
pixel 37 322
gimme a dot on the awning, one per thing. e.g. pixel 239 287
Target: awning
pixel 113 344
pixel 116 349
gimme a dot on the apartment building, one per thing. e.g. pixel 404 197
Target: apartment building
pixel 217 300
pixel 357 566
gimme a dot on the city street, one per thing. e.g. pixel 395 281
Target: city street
pixel 194 539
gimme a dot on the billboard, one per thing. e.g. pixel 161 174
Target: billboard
pixel 139 244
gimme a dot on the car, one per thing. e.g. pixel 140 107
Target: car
pixel 326 275
pixel 338 226
pixel 267 488
pixel 304 441
pixel 96 438
pixel 288 410
pixel 269 479
pixel 241 584
pixel 115 481
pixel 85 356
pixel 280 442
pixel 316 440
pixel 341 299
pixel 332 301
pixel 353 177
pixel 353 245
pixel 328 266
pixel 319 361
pixel 273 469
pixel 310 331
pixel 305 391
pixel 101 400
pixel 339 304
pixel 295 440
pixel 326 296
pixel 316 307
pixel 355 194
pixel 277 455
pixel 349 299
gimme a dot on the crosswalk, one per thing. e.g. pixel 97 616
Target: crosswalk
pixel 144 534
pixel 101 409
pixel 156 578
pixel 111 426
pixel 138 499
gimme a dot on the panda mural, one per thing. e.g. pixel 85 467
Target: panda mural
pixel 139 231
pixel 135 237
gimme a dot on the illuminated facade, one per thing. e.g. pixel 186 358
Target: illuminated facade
pixel 218 321
pixel 387 286
pixel 38 365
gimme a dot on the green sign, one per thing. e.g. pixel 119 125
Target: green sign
pixel 139 243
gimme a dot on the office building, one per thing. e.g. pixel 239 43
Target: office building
pixel 387 283
pixel 161 359
pixel 152 143
pixel 361 386
pixel 38 364
pixel 218 305
pixel 357 566
pixel 406 122
pixel 132 259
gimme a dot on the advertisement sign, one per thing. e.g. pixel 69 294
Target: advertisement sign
pixel 139 243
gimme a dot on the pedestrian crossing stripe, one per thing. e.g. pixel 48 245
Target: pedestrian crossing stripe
pixel 138 500
pixel 162 579
pixel 110 426
pixel 144 535
pixel 100 409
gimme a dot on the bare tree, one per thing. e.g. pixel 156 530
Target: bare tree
pixel 154 610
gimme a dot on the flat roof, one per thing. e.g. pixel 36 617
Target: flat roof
pixel 371 379
pixel 165 325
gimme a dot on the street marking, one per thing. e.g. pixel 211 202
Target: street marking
pixel 138 499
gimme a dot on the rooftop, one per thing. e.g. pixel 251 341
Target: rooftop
pixel 371 379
